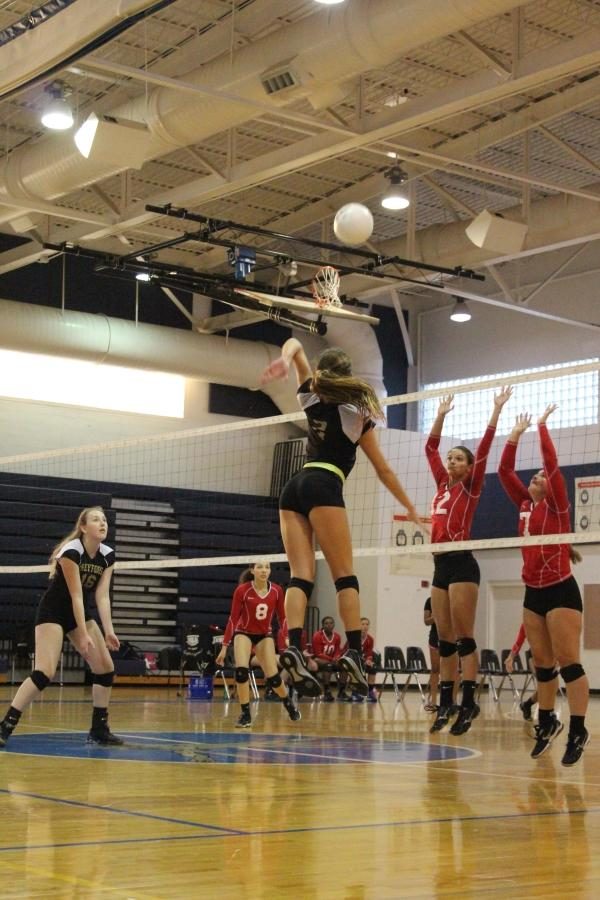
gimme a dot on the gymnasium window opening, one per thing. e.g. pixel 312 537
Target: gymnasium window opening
pixel 577 397
pixel 32 376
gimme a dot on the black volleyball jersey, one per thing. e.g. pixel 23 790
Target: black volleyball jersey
pixel 91 570
pixel 333 430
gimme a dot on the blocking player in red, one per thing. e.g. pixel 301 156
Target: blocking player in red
pixel 553 609
pixel 255 601
pixel 456 573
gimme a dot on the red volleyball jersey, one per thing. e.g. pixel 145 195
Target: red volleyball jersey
pixel 542 565
pixel 453 507
pixel 326 648
pixel 253 614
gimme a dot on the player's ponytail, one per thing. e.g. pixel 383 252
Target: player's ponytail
pixel 334 382
pixel 73 535
pixel 246 576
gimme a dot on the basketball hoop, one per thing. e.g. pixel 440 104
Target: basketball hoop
pixel 325 287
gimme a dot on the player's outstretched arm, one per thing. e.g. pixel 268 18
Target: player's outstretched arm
pixel 292 353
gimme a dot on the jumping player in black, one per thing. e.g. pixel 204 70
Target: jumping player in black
pixel 340 409
pixel 81 568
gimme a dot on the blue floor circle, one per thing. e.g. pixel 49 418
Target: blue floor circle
pixel 246 747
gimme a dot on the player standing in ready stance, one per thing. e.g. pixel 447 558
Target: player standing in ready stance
pixel 255 601
pixel 340 409
pixel 81 568
pixel 552 612
pixel 456 573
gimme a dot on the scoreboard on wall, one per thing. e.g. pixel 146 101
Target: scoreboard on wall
pixel 587 503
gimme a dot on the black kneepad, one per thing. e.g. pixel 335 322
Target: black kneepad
pixel 465 646
pixel 40 679
pixel 447 648
pixel 545 674
pixel 572 672
pixel 303 585
pixel 241 675
pixel 347 581
pixel 105 679
pixel 274 681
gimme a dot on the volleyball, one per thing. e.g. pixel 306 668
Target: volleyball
pixel 353 224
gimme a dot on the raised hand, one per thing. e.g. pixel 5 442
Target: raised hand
pixel 278 369
pixel 547 412
pixel 503 396
pixel 522 423
pixel 446 405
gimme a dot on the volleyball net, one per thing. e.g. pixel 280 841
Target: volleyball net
pixel 208 497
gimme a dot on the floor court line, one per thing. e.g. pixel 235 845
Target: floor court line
pixel 116 810
pixel 317 828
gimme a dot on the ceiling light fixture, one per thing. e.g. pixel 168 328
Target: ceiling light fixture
pixel 57 114
pixel 397 99
pixel 461 312
pixel 329 2
pixel 394 197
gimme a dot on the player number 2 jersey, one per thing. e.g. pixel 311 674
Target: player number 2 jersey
pixel 454 505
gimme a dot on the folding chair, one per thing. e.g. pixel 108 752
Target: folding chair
pixel 489 668
pixel 394 665
pixel 416 664
pixel 518 672
pixel 228 671
pixel 530 672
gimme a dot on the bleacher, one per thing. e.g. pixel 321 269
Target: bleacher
pixel 152 608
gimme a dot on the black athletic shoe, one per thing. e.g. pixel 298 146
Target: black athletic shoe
pixel 328 697
pixel 293 662
pixel 292 711
pixel 104 737
pixel 352 663
pixel 544 737
pixel 444 714
pixel 575 747
pixel 464 719
pixel 244 721
pixel 4 736
pixel 526 709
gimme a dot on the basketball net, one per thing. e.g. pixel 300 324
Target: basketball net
pixel 325 287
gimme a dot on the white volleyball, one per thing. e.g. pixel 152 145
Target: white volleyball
pixel 353 224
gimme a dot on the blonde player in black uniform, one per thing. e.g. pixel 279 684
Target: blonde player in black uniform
pixel 340 409
pixel 81 568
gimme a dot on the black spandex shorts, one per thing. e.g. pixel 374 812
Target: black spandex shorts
pixel 454 567
pixel 255 638
pixel 565 594
pixel 312 487
pixel 59 612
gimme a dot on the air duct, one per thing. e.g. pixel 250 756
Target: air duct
pixel 102 339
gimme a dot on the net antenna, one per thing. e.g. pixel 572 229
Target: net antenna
pixel 325 287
